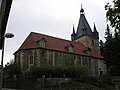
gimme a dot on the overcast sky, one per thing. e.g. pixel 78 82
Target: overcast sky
pixel 51 17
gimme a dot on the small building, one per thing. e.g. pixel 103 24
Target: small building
pixel 83 49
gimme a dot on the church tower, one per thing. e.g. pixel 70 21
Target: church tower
pixel 84 33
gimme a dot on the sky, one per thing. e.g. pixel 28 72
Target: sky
pixel 50 17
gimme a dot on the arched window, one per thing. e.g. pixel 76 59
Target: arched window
pixel 31 59
pixel 92 42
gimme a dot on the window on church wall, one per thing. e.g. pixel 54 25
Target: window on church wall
pixel 89 62
pixel 31 59
pixel 84 60
pixel 79 60
pixel 62 58
pixel 43 57
pixel 92 42
pixel 50 58
pixel 43 52
pixel 58 60
pixel 51 62
pixel 69 61
pixel 17 59
pixel 96 66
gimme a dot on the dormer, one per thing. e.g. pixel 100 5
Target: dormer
pixel 69 48
pixel 87 51
pixel 42 42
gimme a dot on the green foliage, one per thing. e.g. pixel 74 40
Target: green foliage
pixel 58 72
pixel 113 14
pixel 11 69
pixel 69 60
pixel 111 54
pixel 101 47
pixel 116 80
pixel 105 81
pixel 38 72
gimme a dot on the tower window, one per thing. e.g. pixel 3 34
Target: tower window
pixel 92 42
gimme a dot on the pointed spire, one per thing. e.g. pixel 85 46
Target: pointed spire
pixel 82 10
pixel 95 30
pixel 73 35
pixel 81 5
pixel 83 25
pixel 73 29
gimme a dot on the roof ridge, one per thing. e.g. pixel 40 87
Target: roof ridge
pixel 51 36
pixel 25 40
pixel 55 37
pixel 29 42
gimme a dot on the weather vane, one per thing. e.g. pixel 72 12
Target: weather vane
pixel 81 4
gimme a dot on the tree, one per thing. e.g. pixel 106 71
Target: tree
pixel 11 69
pixel 58 72
pixel 112 50
pixel 102 47
pixel 113 14
pixel 69 60
pixel 112 53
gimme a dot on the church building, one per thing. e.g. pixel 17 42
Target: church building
pixel 83 49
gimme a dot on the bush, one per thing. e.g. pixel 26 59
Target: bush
pixel 58 72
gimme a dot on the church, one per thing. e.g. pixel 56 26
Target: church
pixel 83 49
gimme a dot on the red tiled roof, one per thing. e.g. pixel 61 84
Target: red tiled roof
pixel 54 43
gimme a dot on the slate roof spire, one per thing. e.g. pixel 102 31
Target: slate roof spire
pixel 73 29
pixel 83 26
pixel 73 35
pixel 81 11
pixel 95 32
